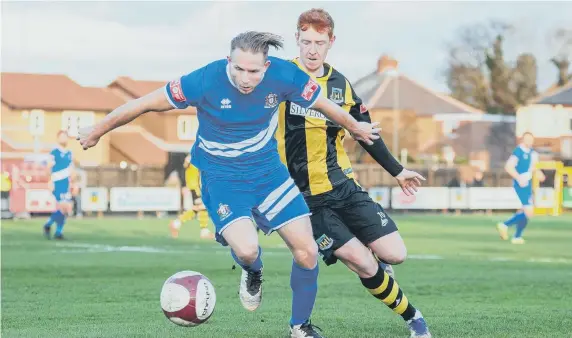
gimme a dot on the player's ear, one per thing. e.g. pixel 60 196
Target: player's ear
pixel 266 64
pixel 297 36
pixel 332 40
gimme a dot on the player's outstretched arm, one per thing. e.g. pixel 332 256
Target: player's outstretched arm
pixel 361 131
pixel 155 101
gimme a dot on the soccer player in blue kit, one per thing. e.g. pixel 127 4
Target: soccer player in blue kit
pixel 520 166
pixel 237 101
pixel 61 166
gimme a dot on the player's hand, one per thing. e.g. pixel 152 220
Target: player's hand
pixel 523 181
pixel 409 180
pixel 87 137
pixel 540 175
pixel 366 132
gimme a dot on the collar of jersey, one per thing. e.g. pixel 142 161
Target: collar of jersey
pixel 327 67
pixel 525 149
pixel 230 78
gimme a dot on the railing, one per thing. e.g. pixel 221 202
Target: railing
pixel 368 175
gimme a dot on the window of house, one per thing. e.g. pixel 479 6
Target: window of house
pixel 566 147
pixel 187 127
pixel 36 122
pixel 449 126
pixel 73 121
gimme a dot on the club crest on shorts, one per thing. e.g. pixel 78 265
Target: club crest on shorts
pixel 223 211
pixel 337 95
pixel 271 101
pixel 324 242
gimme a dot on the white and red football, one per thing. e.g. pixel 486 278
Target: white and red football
pixel 188 298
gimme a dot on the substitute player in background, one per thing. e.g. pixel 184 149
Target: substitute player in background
pixel 346 221
pixel 198 209
pixel 521 166
pixel 61 166
pixel 242 177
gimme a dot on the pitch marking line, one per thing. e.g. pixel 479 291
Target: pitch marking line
pixel 102 248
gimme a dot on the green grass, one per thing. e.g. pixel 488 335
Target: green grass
pixel 467 282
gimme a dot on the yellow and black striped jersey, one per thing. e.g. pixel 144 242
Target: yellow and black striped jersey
pixel 310 144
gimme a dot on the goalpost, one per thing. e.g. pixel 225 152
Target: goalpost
pixel 557 199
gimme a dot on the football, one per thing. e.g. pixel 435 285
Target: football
pixel 188 298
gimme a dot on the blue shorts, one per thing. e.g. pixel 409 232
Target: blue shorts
pixel 272 200
pixel 62 191
pixel 62 196
pixel 524 195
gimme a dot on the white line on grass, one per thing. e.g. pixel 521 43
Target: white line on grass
pixel 273 250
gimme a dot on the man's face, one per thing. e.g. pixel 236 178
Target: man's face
pixel 314 47
pixel 247 69
pixel 63 139
pixel 528 140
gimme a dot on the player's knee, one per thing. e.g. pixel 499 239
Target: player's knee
pixel 529 212
pixel 306 257
pixel 364 265
pixel 396 256
pixel 247 253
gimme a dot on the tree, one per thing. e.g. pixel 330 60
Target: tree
pixel 478 74
pixel 562 40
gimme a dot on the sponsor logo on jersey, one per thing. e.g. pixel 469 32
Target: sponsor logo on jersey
pixel 306 112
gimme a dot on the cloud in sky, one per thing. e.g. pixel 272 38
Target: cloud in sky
pixel 94 42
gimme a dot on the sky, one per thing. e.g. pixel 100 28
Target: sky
pixel 93 42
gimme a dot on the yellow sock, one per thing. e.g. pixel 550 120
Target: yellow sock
pixel 203 217
pixel 187 216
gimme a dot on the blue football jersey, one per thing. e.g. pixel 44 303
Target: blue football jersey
pixel 236 131
pixel 525 159
pixel 61 169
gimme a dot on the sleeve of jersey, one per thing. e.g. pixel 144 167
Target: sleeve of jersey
pixel 515 156
pixel 357 110
pixel 187 90
pixel 302 90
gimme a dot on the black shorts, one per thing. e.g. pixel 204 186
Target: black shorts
pixel 194 195
pixel 343 213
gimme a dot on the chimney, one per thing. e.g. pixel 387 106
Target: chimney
pixel 386 63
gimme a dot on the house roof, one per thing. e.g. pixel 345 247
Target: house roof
pixel 144 148
pixel 496 137
pixel 561 96
pixel 138 88
pixel 138 149
pixel 54 92
pixel 383 90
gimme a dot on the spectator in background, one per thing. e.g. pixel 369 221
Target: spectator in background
pixel 172 181
pixel 478 179
pixel 78 184
pixel 6 186
pixel 456 182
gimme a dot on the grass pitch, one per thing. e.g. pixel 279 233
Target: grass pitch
pixel 105 282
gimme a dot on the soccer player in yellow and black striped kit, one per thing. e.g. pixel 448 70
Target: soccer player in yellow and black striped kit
pixel 347 224
pixel 198 210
